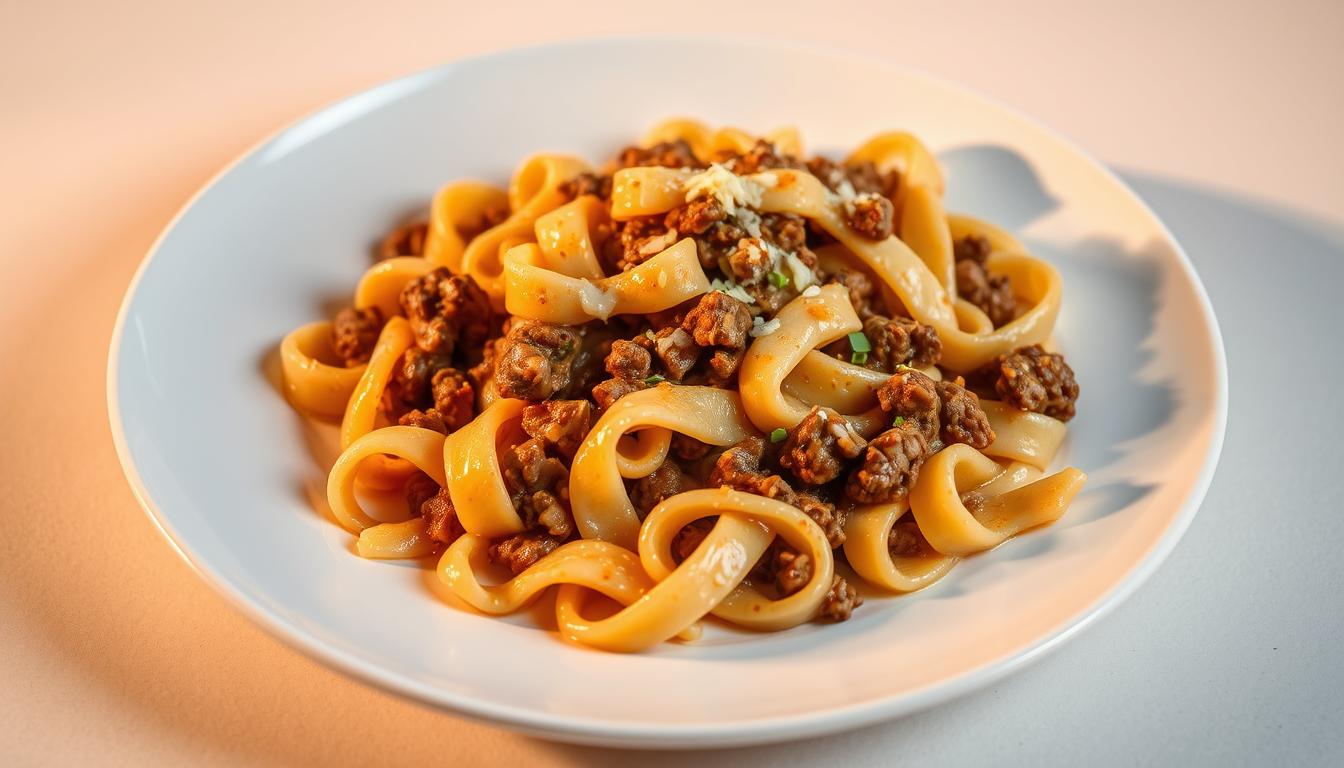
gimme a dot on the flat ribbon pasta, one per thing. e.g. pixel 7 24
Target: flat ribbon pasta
pixel 314 383
pixel 534 190
pixel 474 478
pixel 659 283
pixel 458 214
pixel 422 448
pixel 600 504
pixel 867 528
pixel 644 191
pixel 805 323
pixel 951 528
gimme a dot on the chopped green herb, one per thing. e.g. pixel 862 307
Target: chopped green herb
pixel 778 279
pixel 859 342
pixel 899 421
pixel 655 379
pixel 567 347
pixel 649 333
pixel 859 358
pixel 778 435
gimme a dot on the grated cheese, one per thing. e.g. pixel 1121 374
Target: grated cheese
pixel 760 329
pixel 726 187
pixel 802 276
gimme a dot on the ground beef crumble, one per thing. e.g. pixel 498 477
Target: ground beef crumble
pixel 816 450
pixel 963 420
pixel 889 466
pixel 536 360
pixel 1031 379
pixel 354 333
pixel 406 240
pixel 871 216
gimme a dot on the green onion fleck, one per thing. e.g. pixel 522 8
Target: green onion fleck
pixel 859 358
pixel 899 421
pixel 859 342
pixel 778 279
pixel 778 435
pixel 649 334
pixel 655 379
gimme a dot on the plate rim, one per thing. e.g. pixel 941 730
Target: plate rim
pixel 597 731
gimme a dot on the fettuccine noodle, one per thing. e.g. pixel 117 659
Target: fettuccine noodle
pixel 690 383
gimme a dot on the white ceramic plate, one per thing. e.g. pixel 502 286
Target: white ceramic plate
pixel 225 468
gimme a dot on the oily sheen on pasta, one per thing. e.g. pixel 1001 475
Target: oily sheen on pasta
pixel 712 379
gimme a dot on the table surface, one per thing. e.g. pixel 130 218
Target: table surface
pixel 1226 119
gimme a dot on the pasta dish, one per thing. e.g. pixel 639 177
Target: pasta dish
pixel 714 377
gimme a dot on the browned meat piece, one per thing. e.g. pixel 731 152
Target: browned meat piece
pixel 828 516
pixel 739 468
pixel 861 291
pixel 538 485
pixel 723 365
pixel 560 423
pixel 441 517
pixel 913 398
pixel 689 537
pixel 889 466
pixel 973 247
pixel 587 184
pixel 871 216
pixel 668 154
pixel 667 480
pixel 718 320
pixel 749 261
pixel 447 310
pixel 412 379
pixel 536 360
pixel 522 551
pixel 867 179
pixel 901 341
pixel 840 601
pixel 454 398
pixel 429 419
pixel 687 448
pixel 642 238
pixel 677 351
pixel 906 540
pixel 788 231
pixel 629 360
pixel 406 240
pixel 816 450
pixel 695 217
pixel 991 293
pixel 419 489
pixel 792 571
pixel 1032 379
pixel 863 177
pixel 611 390
pixel 964 421
pixel 483 372
pixel 354 332
pixel 762 156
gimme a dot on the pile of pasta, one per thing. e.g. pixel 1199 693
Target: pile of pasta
pixel 541 263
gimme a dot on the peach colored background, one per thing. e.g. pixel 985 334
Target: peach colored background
pixel 113 114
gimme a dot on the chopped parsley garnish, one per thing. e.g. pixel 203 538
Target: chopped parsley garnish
pixel 899 421
pixel 859 358
pixel 859 342
pixel 778 279
pixel 778 435
pixel 655 379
